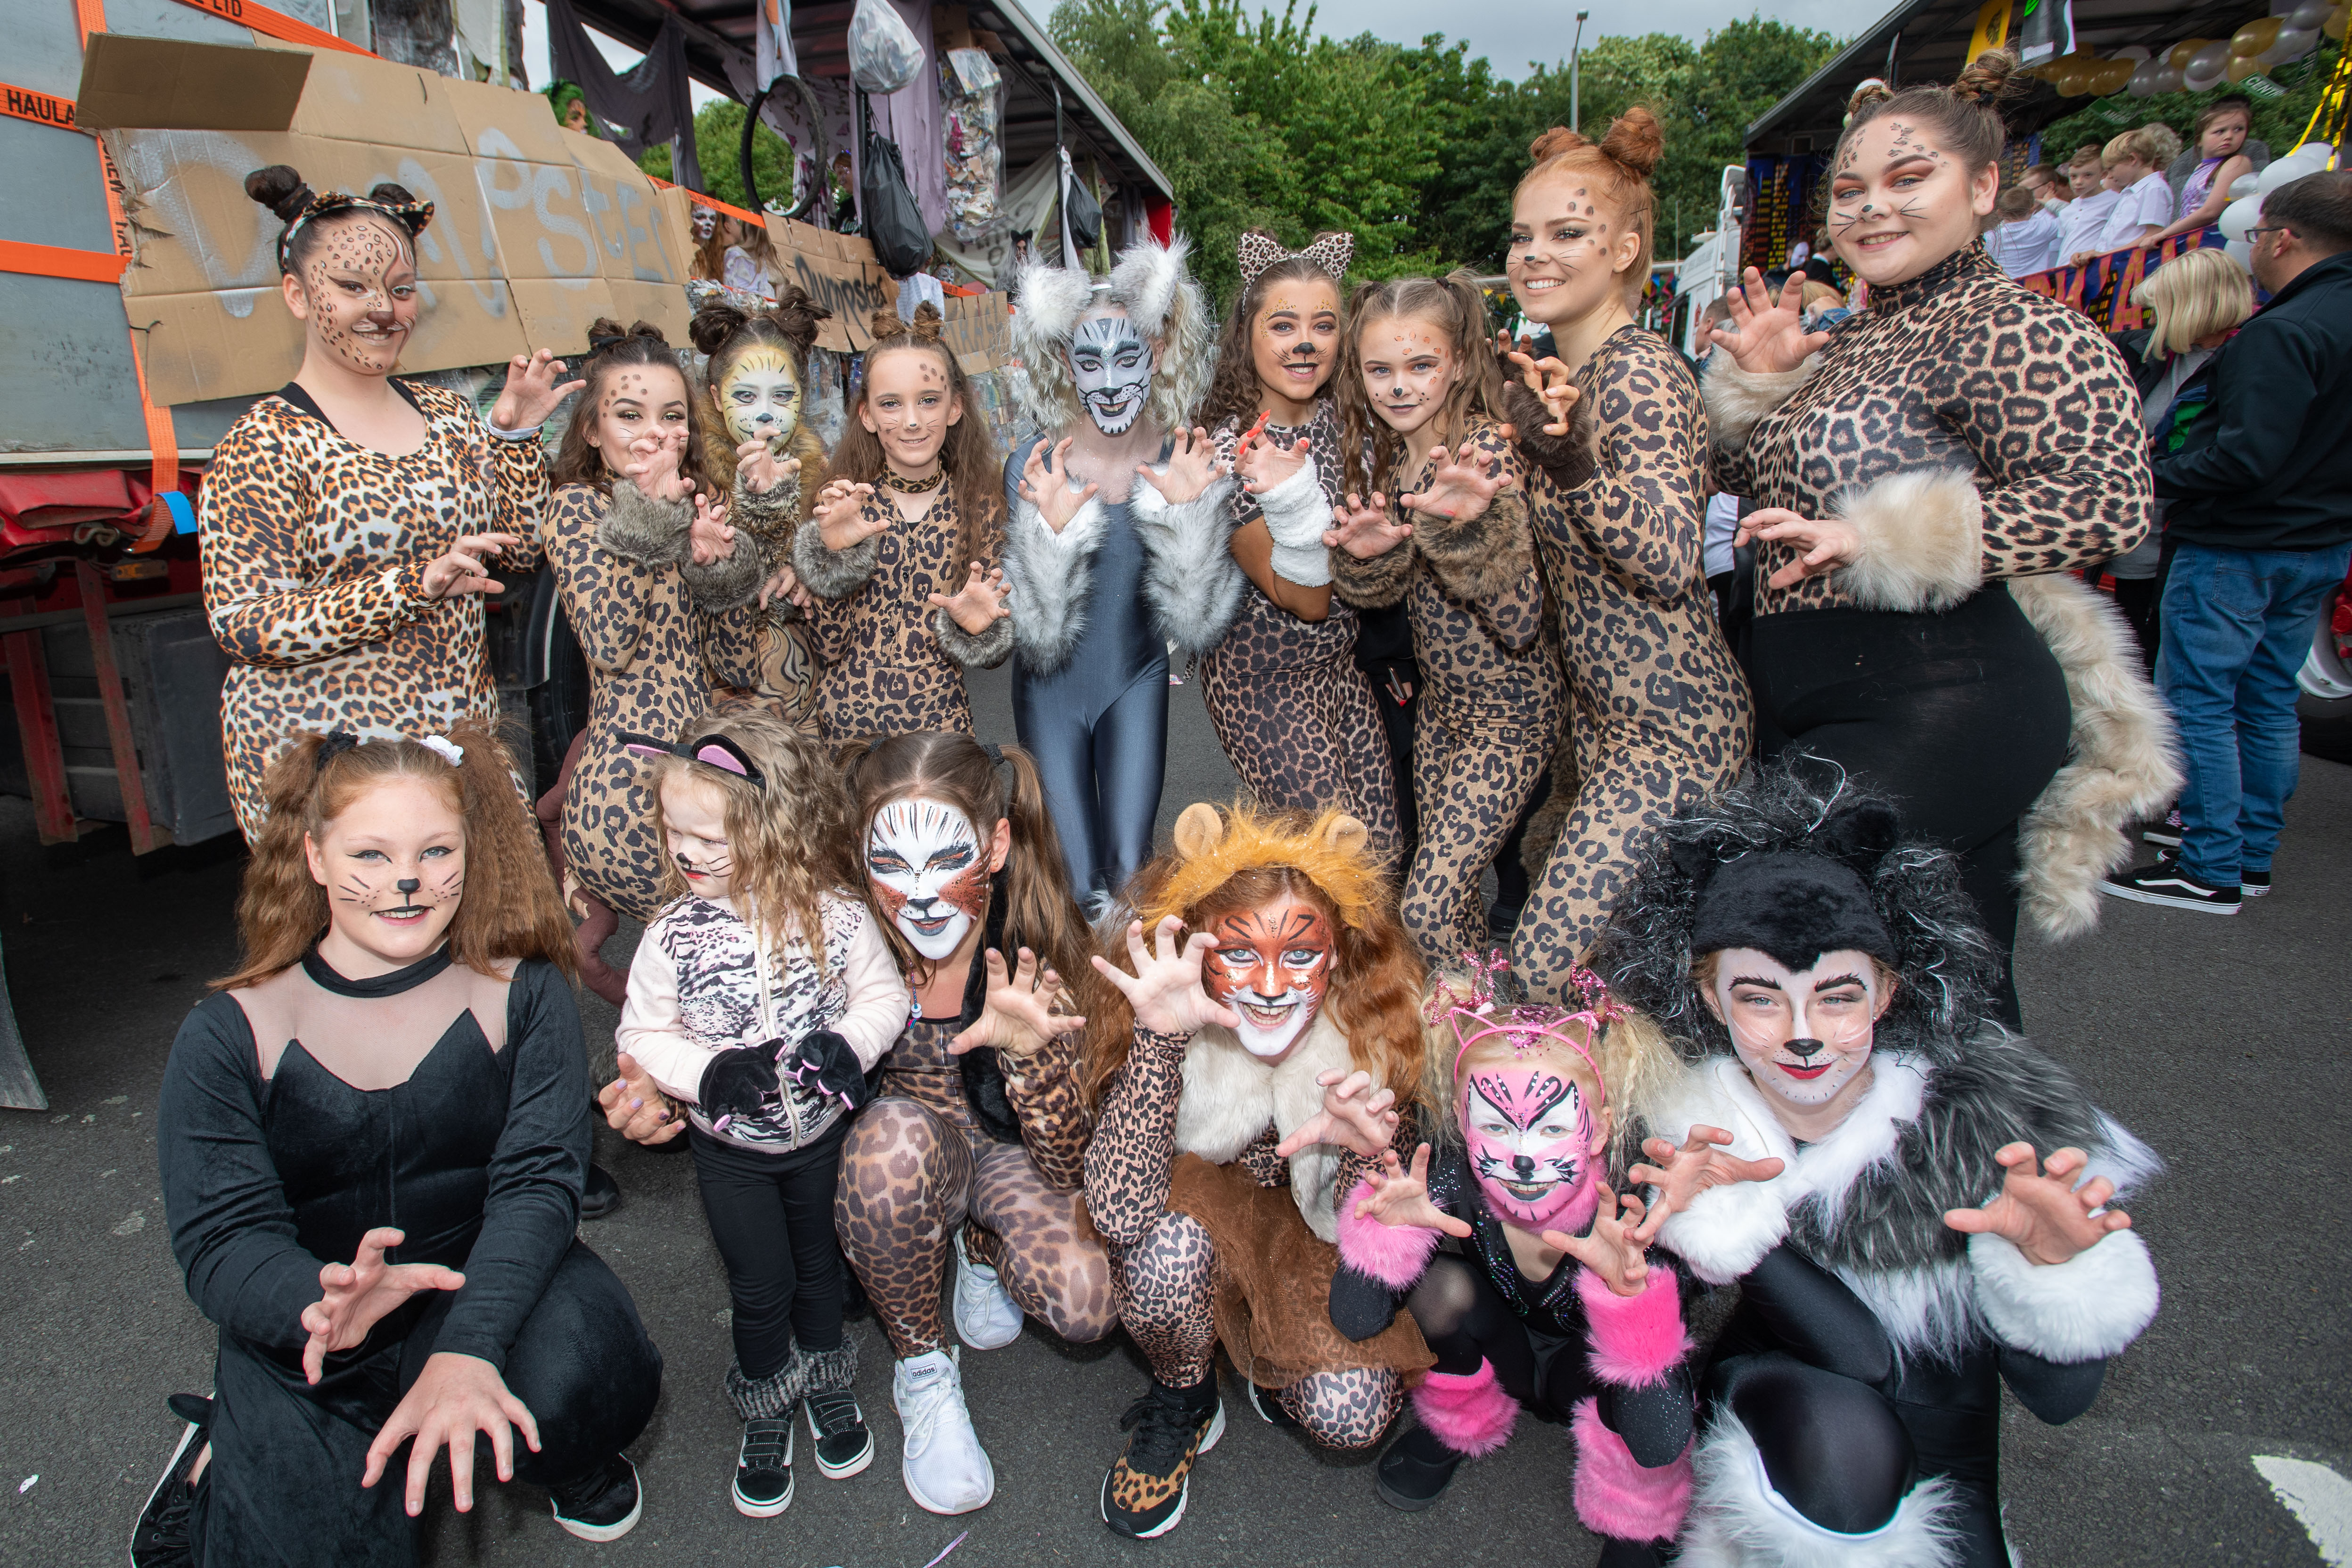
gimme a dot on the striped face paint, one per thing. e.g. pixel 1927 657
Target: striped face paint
pixel 923 858
pixel 1530 1137
pixel 1272 966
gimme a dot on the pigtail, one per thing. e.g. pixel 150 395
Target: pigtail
pixel 511 908
pixel 1478 397
pixel 281 910
pixel 1368 446
pixel 1039 911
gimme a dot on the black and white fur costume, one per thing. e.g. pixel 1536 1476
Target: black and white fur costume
pixel 1855 1396
pixel 1095 607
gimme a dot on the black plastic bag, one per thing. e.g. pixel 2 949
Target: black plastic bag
pixel 886 210
pixel 1080 208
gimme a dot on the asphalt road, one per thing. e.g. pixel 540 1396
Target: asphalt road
pixel 2219 1042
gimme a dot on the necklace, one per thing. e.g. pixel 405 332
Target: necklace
pixel 893 480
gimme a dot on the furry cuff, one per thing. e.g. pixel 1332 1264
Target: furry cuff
pixel 1395 1254
pixel 1308 565
pixel 1738 1521
pixel 1736 400
pixel 1569 459
pixel 720 585
pixel 1482 557
pixel 772 1397
pixel 772 514
pixel 1922 541
pixel 1467 1412
pixel 635 527
pixel 1190 579
pixel 1052 578
pixel 1374 584
pixel 2123 762
pixel 1295 510
pixel 833 573
pixel 1637 1340
pixel 2086 1309
pixel 1617 1498
pixel 827 1371
pixel 1727 1230
pixel 980 650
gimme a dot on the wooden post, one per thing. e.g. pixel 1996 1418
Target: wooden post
pixel 144 835
pixel 36 727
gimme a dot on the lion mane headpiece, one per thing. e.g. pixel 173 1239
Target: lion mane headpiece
pixel 1160 297
pixel 1330 850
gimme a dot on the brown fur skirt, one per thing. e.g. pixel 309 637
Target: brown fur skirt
pixel 1274 1282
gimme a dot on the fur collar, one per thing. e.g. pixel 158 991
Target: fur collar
pixel 1231 1097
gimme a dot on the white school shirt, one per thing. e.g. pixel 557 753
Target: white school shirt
pixel 2144 201
pixel 2084 219
pixel 2025 245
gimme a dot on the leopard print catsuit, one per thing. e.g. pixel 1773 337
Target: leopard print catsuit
pixel 314 550
pixel 1660 706
pixel 1164 1265
pixel 918 1164
pixel 1490 695
pixel 1296 717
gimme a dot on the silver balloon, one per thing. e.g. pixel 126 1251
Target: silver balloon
pixel 2245 186
pixel 2240 215
pixel 2133 52
pixel 2292 44
pixel 2307 16
pixel 2207 66
pixel 2239 251
pixel 2143 76
pixel 2167 79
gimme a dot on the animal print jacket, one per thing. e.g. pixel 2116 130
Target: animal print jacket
pixel 314 550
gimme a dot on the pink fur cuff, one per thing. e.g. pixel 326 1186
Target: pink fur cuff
pixel 1468 1412
pixel 1395 1254
pixel 1616 1496
pixel 1637 1340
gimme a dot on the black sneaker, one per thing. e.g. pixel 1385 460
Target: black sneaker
pixel 2253 884
pixel 1415 1472
pixel 1268 1408
pixel 600 1194
pixel 2167 833
pixel 2165 884
pixel 763 1467
pixel 1143 1494
pixel 837 1432
pixel 160 1539
pixel 603 1505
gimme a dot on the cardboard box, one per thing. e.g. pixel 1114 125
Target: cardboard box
pixel 839 271
pixel 536 230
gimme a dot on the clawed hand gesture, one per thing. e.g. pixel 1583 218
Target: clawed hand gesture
pixel 531 390
pixel 636 1109
pixel 840 515
pixel 1681 1174
pixel 786 584
pixel 464 567
pixel 1045 485
pixel 1823 545
pixel 1355 1116
pixel 1616 1251
pixel 1460 487
pixel 980 603
pixel 1366 529
pixel 359 1294
pixel 710 537
pixel 1764 338
pixel 454 1397
pixel 1263 464
pixel 1193 467
pixel 762 470
pixel 2041 1210
pixel 1165 990
pixel 654 466
pixel 1400 1196
pixel 1017 1014
pixel 1548 379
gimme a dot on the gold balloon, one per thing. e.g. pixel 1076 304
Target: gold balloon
pixel 2255 38
pixel 2240 67
pixel 2070 82
pixel 2333 26
pixel 2181 53
pixel 2113 77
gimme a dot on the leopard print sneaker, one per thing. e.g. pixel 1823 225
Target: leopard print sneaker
pixel 1143 1494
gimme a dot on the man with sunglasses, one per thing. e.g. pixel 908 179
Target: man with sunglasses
pixel 2262 512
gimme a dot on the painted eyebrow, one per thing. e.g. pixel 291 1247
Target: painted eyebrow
pixel 1821 985
pixel 1758 980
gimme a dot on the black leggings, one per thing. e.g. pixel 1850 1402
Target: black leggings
pixel 1101 746
pixel 283 1487
pixel 771 1215
pixel 1962 717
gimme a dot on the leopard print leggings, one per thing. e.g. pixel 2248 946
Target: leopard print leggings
pixel 1471 784
pixel 1167 1296
pixel 908 1179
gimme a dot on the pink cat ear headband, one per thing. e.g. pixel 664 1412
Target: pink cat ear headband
pixel 1477 1015
pixel 710 751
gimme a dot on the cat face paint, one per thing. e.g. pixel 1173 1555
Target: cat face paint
pixel 761 399
pixel 1530 1139
pixel 1111 365
pixel 1408 368
pixel 1802 1034
pixel 394 865
pixel 694 833
pixel 357 293
pixel 929 876
pixel 1272 966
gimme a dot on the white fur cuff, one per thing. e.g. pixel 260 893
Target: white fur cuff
pixel 1296 514
pixel 1308 565
pixel 2086 1309
pixel 1922 541
pixel 1727 1230
pixel 1081 534
pixel 1149 504
pixel 1736 400
pixel 1738 1521
pixel 1051 576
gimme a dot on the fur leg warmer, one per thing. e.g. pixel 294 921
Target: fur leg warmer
pixel 1395 1254
pixel 1190 579
pixel 827 1371
pixel 1637 1340
pixel 1296 514
pixel 1738 1520
pixel 1467 1412
pixel 2123 762
pixel 833 573
pixel 772 1397
pixel 1615 1496
pixel 1569 459
pixel 1052 577
pixel 1482 557
pixel 1736 400
pixel 635 527
pixel 1922 541
pixel 975 651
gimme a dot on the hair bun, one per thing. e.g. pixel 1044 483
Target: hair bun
pixel 796 315
pixel 279 188
pixel 648 329
pixel 1635 141
pixel 1872 89
pixel 1553 143
pixel 1987 80
pixel 714 324
pixel 397 196
pixel 886 322
pixel 927 314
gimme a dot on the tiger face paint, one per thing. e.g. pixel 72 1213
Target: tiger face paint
pixel 761 397
pixel 1272 965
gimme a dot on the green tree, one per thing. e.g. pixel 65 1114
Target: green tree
pixel 719 145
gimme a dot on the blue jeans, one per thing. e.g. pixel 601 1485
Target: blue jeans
pixel 2237 625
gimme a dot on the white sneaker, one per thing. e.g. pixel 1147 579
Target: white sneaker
pixel 987 1317
pixel 943 1465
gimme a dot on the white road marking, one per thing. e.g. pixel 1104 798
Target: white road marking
pixel 2320 1500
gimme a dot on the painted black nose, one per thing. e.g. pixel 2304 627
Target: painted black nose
pixel 408 884
pixel 1523 1166
pixel 1805 1048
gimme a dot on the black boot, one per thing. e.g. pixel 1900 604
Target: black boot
pixel 600 1195
pixel 1416 1470
pixel 1616 1553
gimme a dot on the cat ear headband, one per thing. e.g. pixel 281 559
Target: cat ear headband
pixel 710 751
pixel 411 217
pixel 1259 250
pixel 1478 1016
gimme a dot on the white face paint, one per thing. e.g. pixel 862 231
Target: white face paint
pixel 924 860
pixel 1802 1034
pixel 1112 367
pixel 761 399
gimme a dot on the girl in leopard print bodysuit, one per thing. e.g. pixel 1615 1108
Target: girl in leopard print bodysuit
pixel 1618 497
pixel 1295 716
pixel 912 509
pixel 1422 399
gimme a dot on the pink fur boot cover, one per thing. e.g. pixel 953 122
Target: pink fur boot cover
pixel 1617 1498
pixel 1467 1412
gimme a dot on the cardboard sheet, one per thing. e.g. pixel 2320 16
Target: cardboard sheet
pixel 840 273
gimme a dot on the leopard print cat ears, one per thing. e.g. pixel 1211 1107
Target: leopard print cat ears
pixel 410 218
pixel 1259 250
